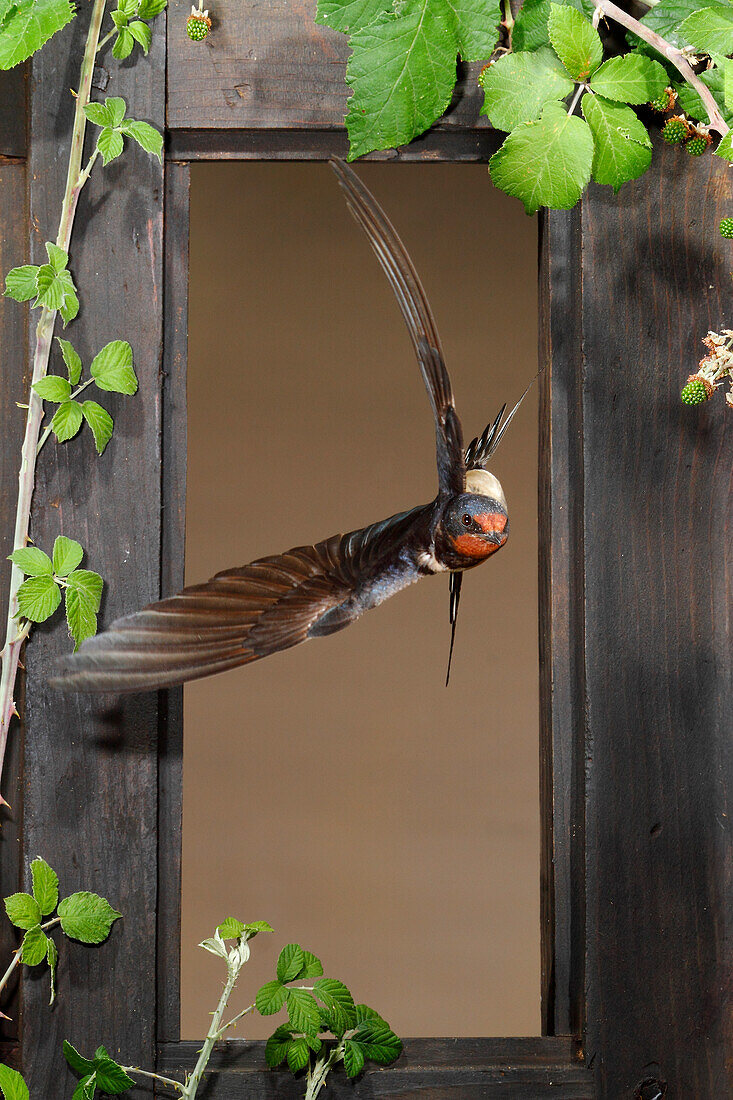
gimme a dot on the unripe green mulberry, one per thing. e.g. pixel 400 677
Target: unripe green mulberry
pixel 675 131
pixel 726 228
pixel 696 146
pixel 696 390
pixel 664 102
pixel 198 24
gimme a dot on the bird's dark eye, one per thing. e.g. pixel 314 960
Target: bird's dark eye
pixel 466 520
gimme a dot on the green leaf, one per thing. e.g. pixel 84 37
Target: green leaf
pixel 575 41
pixel 86 1089
pixel 57 257
pixel 353 1058
pixel 116 107
pixel 142 34
pixel 110 144
pixel 21 283
pixel 477 27
pixel 52 388
pixel 52 954
pixel 725 148
pixel 50 288
pixel 290 963
pixel 364 1012
pixel 34 947
pixel 545 163
pixel 66 420
pixel 378 1042
pixel 67 555
pixel 276 1047
pixel 259 926
pixel 75 1060
pixel 70 306
pixel 270 998
pixel 231 928
pixel 147 137
pixel 120 17
pixel 12 1085
pixel 99 113
pixel 632 78
pixel 351 15
pixel 112 368
pixel 727 84
pixel 123 44
pixel 150 8
pixel 100 422
pixel 518 85
pixel 690 102
pixel 28 26
pixel 87 917
pixel 23 910
pixel 111 1077
pixel 45 884
pixel 303 1011
pixel 298 1055
pixel 338 1000
pixel 623 148
pixel 530 26
pixel 32 561
pixel 83 596
pixel 710 30
pixel 38 598
pixel 313 966
pixel 71 359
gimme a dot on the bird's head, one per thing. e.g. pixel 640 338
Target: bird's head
pixel 475 523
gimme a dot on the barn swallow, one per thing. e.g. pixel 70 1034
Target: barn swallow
pixel 273 603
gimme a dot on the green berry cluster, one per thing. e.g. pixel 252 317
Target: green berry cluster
pixel 197 27
pixel 675 131
pixel 696 146
pixel 726 228
pixel 694 392
pixel 665 101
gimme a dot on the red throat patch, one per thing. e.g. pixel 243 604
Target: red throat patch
pixel 491 522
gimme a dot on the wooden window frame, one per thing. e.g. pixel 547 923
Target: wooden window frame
pixel 634 851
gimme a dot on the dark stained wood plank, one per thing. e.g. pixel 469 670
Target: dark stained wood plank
pixel 170 770
pixel 287 144
pixel 14 381
pixel 562 689
pixel 13 114
pixel 656 276
pixel 91 776
pixel 431 1069
pixel 267 66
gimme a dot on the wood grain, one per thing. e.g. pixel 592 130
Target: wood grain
pixel 656 276
pixel 13 116
pixel 91 776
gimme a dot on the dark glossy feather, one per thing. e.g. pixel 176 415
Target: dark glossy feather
pixel 456 580
pixel 411 297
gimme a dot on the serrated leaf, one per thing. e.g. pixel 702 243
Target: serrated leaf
pixel 99 114
pixel 530 26
pixel 120 18
pixel 351 15
pixel 52 954
pixel 67 554
pixel 215 945
pixel 276 1047
pixel 710 30
pixel 364 1012
pixel 32 561
pixel 50 288
pixel 123 44
pixel 313 967
pixel 21 283
pixel 303 1011
pixel 28 26
pixel 517 86
pixel 100 422
pixel 38 598
pixel 86 1089
pixel 575 41
pixel 290 962
pixel 116 107
pixel 45 885
pixel 66 420
pixel 258 926
pixel 353 1058
pixel 23 910
pixel 70 305
pixel 57 257
pixel 34 947
pixel 477 27
pixel 83 596
pixel 112 368
pixel 270 998
pixel 12 1085
pixel 298 1055
pixel 87 917
pixel 545 163
pixel 725 148
pixel 79 1064
pixel 111 1077
pixel 147 137
pixel 150 8
pixel 727 68
pixel 231 928
pixel 71 359
pixel 623 148
pixel 142 34
pixel 338 1000
pixel 110 144
pixel 378 1042
pixel 52 388
pixel 632 78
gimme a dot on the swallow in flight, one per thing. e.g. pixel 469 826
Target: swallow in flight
pixel 243 614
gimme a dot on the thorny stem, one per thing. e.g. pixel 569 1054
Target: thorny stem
pixel 48 430
pixel 104 42
pixel 213 1036
pixel 75 180
pixel 673 55
pixel 156 1077
pixel 235 1019
pixel 508 20
pixel 16 955
pixel 317 1076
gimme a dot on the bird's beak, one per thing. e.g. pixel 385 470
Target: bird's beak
pixel 494 524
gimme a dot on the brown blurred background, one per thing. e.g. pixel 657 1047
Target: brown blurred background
pixel 338 790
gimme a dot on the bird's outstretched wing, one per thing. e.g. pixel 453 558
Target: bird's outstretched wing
pixel 482 447
pixel 410 295
pixel 244 614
